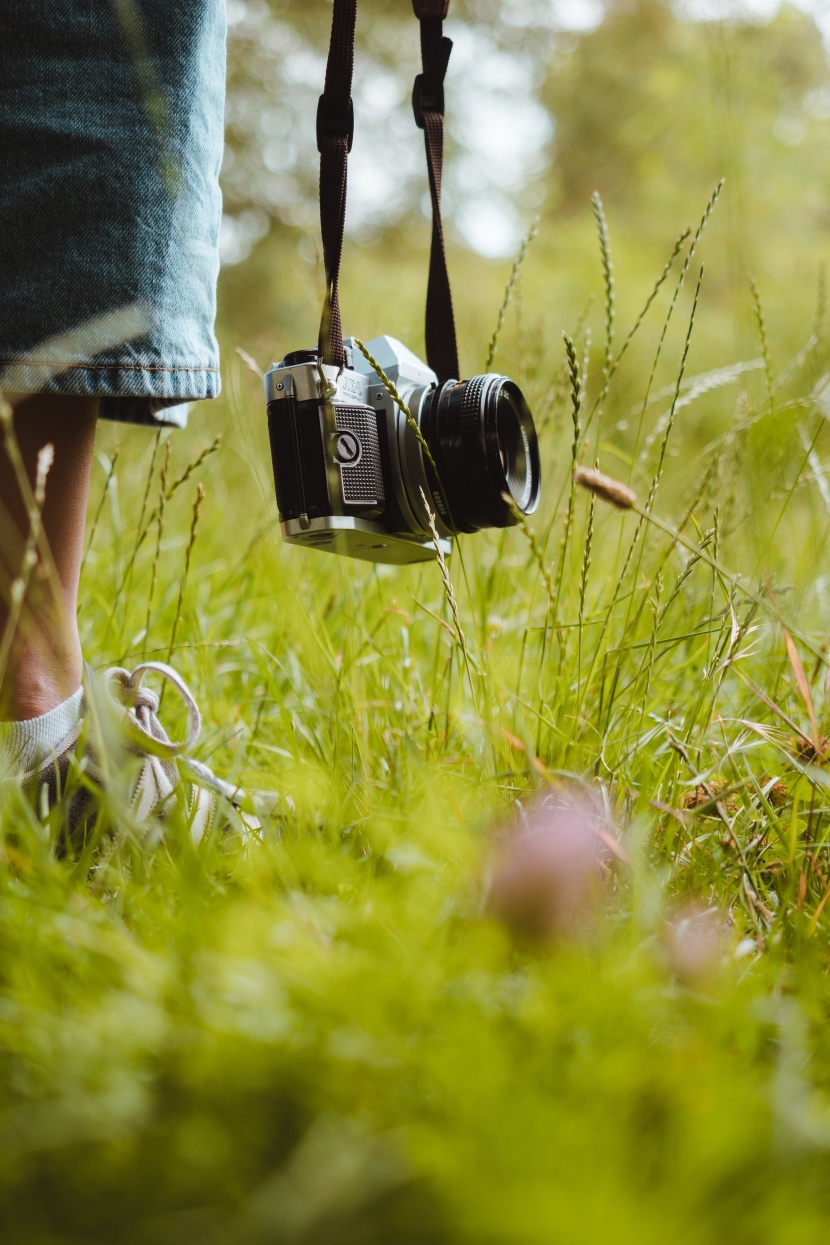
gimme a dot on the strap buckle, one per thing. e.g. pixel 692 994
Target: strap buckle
pixel 430 10
pixel 334 122
pixel 428 91
pixel 426 100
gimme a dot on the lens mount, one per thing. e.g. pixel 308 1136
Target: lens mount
pixel 481 434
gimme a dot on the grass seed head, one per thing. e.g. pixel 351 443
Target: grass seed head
pixel 811 752
pixel 605 487
pixel 704 797
pixel 778 793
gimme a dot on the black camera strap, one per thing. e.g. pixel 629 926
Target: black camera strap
pixel 428 106
pixel 335 133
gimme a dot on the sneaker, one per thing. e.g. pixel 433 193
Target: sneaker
pixel 124 741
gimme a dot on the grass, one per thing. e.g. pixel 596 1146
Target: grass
pixel 324 1036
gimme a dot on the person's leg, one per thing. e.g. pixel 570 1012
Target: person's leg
pixel 45 664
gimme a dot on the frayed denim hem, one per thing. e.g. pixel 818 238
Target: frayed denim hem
pixel 150 395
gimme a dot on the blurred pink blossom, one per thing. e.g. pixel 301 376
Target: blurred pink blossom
pixel 550 876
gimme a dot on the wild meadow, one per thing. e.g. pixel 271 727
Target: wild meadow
pixel 410 1008
pixel 328 1031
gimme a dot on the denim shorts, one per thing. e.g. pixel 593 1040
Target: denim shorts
pixel 111 130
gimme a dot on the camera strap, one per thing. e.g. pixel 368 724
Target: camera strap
pixel 335 134
pixel 428 106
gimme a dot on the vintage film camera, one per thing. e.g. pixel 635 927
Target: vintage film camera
pixel 351 471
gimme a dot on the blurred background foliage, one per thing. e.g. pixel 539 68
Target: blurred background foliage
pixel 650 103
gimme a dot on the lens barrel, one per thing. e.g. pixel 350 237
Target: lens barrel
pixel 481 435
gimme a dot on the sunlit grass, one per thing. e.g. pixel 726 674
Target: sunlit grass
pixel 323 1036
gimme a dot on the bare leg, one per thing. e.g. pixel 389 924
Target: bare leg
pixel 45 663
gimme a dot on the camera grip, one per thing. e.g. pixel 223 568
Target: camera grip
pixel 297 458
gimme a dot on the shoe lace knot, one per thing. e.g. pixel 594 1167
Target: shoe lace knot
pixel 142 704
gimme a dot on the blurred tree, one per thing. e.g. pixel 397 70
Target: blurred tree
pixel 497 136
pixel 650 107
pixel 277 54
pixel 649 98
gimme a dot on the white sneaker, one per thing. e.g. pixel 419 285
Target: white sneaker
pixel 120 714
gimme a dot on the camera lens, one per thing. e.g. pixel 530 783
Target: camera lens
pixel 481 434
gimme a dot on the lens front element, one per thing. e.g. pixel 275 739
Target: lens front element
pixel 514 444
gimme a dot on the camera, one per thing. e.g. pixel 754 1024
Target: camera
pixel 352 470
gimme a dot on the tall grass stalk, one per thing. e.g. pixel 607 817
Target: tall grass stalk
pixel 635 544
pixel 449 592
pixel 145 497
pixel 552 613
pixel 677 537
pixel 583 588
pixel 44 553
pixel 159 513
pixel 637 325
pixel 707 212
pixel 153 518
pixel 28 560
pixel 392 390
pixel 509 290
pixel 188 553
pixel 761 325
pixel 608 285
pixel 105 492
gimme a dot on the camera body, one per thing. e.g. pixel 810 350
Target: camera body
pixel 352 472
pixel 336 445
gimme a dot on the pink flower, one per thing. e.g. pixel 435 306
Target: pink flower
pixel 551 874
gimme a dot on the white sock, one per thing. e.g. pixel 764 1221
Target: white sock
pixel 24 745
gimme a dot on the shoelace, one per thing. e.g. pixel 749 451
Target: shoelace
pixel 144 703
pixel 150 739
pixel 159 776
